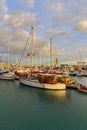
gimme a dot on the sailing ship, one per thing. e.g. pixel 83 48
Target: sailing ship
pixel 37 83
pixel 45 81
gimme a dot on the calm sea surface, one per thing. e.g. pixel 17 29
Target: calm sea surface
pixel 26 108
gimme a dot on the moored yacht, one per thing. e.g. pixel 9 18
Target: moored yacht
pixel 72 73
pixel 41 79
pixel 7 76
pixel 82 88
pixel 45 81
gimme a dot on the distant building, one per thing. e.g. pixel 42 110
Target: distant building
pixel 81 63
pixel 56 61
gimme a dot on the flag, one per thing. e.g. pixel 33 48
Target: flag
pixel 33 54
pixel 28 54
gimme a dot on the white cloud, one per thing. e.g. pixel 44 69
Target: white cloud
pixel 55 6
pixel 82 26
pixel 21 19
pixel 13 26
pixel 61 20
pixel 70 12
pixel 6 17
pixel 62 16
pixel 3 7
pixel 27 3
pixel 56 33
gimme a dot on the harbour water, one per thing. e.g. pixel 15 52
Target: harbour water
pixel 26 108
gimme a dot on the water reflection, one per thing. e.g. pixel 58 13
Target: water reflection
pixel 57 96
pixel 47 95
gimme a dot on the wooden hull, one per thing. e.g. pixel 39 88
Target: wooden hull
pixel 36 84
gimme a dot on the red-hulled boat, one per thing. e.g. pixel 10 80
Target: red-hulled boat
pixel 82 88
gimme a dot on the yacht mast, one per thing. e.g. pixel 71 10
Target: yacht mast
pixel 32 41
pixel 79 51
pixel 8 52
pixel 50 53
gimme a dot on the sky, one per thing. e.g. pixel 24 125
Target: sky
pixel 63 20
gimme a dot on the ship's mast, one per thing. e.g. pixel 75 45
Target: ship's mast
pixel 32 41
pixel 79 51
pixel 50 53
pixel 8 52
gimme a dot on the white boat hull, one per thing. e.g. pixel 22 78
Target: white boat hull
pixel 2 72
pixel 7 77
pixel 36 84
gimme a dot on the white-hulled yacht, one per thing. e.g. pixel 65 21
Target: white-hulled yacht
pixel 45 81
pixel 7 76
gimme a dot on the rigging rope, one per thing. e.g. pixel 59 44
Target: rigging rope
pixel 24 49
